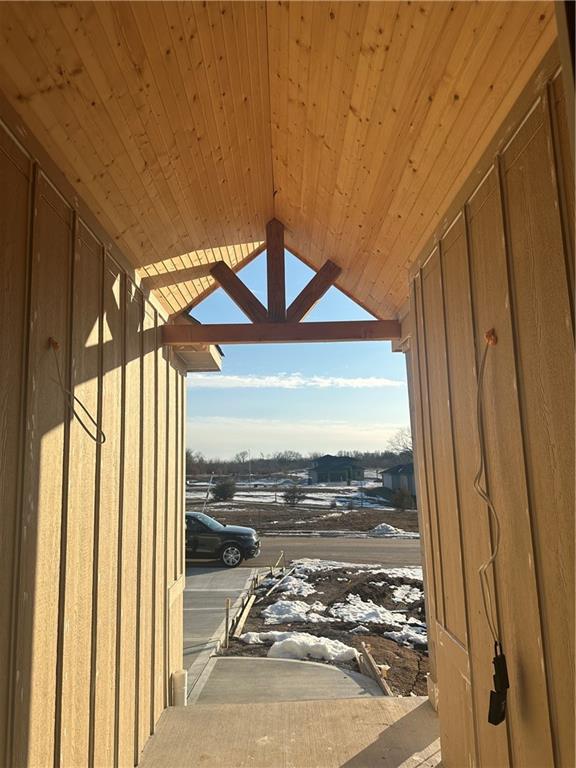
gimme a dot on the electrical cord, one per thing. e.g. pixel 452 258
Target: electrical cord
pixel 498 695
pixel 491 340
pixel 99 437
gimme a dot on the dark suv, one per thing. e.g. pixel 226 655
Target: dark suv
pixel 208 539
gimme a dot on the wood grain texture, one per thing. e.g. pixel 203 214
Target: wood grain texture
pixel 159 561
pixel 106 616
pixel 564 167
pixel 425 448
pixel 70 544
pixel 146 592
pixel 15 170
pixel 491 743
pixel 454 619
pixel 354 125
pixel 503 253
pixel 280 333
pixel 82 510
pixel 458 744
pixel 410 330
pixel 275 271
pixel 506 477
pixel 545 346
pixel 239 293
pixel 128 563
pixel 311 294
pixel 46 417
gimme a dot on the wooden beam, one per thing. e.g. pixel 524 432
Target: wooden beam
pixel 280 333
pixel 276 271
pixel 175 276
pixel 239 293
pixel 313 292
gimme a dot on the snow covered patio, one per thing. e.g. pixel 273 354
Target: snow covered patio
pixel 387 732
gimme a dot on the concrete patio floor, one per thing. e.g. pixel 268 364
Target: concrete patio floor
pixel 238 680
pixel 387 732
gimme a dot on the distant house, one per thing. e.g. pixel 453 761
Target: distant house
pixel 335 469
pixel 400 477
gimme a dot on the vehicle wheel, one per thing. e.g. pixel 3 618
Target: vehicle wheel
pixel 231 556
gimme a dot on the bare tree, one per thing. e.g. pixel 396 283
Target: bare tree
pixel 401 441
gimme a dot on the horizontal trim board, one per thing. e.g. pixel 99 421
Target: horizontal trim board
pixel 280 333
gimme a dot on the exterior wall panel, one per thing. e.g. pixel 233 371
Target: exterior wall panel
pixel 15 171
pixel 45 483
pixel 105 614
pixel 502 256
pixel 81 512
pixel 85 544
pixel 546 387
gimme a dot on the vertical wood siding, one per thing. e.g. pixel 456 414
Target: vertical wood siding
pixel 501 261
pixel 90 535
pixel 15 192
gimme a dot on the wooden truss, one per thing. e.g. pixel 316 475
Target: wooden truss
pixel 277 323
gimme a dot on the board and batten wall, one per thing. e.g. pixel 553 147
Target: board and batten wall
pixel 503 259
pixel 91 535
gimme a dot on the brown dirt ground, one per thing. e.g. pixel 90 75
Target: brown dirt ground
pixel 262 517
pixel 408 667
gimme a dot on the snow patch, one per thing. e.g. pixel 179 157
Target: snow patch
pixel 388 531
pixel 407 594
pixel 301 645
pixel 295 586
pixel 358 610
pixel 311 647
pixel 288 611
pixel 411 634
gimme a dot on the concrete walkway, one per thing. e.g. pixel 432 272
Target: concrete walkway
pixel 239 680
pixel 204 611
pixel 386 732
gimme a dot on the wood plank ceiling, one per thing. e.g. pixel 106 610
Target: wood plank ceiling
pixel 187 126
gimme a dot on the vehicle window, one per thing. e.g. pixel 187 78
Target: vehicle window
pixel 208 522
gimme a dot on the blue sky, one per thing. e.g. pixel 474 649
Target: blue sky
pixel 302 397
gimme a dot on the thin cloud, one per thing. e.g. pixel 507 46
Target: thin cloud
pixel 289 381
pixel 225 436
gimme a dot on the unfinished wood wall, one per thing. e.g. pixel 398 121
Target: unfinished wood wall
pixel 91 561
pixel 502 260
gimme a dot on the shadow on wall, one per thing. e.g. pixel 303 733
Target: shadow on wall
pixel 409 742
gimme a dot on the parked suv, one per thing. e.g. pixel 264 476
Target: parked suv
pixel 208 539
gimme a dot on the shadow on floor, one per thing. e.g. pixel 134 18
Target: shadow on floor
pixel 194 567
pixel 404 739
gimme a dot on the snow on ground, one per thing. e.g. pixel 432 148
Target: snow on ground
pixel 292 585
pixel 307 565
pixel 408 573
pixel 301 645
pixel 398 533
pixel 404 630
pixel 365 611
pixel 287 611
pixel 412 633
pixel 327 496
pixel 388 531
pixel 407 594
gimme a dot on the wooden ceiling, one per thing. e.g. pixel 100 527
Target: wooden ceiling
pixel 187 126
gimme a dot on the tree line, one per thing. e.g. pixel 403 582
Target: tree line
pixel 398 451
